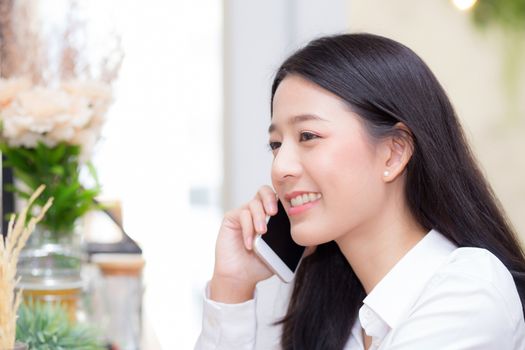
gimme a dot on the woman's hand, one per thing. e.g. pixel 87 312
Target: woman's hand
pixel 237 268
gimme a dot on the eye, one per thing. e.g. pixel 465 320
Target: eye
pixel 307 136
pixel 273 145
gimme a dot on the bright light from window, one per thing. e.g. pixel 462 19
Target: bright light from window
pixel 464 5
pixel 161 144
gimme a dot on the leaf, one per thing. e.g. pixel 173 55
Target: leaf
pixel 57 153
pixel 47 326
pixel 58 168
pixel 40 337
pixel 93 173
pixel 18 161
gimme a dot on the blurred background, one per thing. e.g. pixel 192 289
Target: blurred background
pixel 185 138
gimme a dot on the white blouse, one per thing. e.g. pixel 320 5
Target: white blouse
pixel 438 296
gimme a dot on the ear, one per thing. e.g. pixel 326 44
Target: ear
pixel 397 151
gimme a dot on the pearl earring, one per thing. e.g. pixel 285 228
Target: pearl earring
pixel 386 173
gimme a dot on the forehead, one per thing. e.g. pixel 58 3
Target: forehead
pixel 296 96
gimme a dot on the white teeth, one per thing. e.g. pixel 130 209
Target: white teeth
pixel 304 198
pixel 297 201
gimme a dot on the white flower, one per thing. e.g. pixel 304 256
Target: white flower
pixel 27 139
pixel 74 113
pixel 10 88
pixel 94 90
pixel 61 132
pixel 43 104
pixel 80 112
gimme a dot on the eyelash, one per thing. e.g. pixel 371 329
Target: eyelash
pixel 311 136
pixel 303 137
pixel 272 146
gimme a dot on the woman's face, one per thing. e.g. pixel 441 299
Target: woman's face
pixel 326 169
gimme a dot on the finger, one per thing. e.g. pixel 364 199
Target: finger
pixel 267 195
pixel 247 228
pixel 258 215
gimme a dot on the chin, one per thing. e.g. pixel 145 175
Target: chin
pixel 307 237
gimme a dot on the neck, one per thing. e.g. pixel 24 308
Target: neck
pixel 376 246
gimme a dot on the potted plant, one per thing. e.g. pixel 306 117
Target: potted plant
pixel 55 89
pixel 46 137
pixel 46 326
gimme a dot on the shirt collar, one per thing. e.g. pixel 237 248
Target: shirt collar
pixel 393 296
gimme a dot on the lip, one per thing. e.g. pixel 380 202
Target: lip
pixel 302 208
pixel 298 209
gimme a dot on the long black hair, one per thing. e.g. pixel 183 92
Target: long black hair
pixel 385 82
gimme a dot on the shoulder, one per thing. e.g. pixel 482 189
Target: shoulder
pixel 480 265
pixel 470 302
pixel 476 279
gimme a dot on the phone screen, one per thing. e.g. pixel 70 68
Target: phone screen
pixel 279 239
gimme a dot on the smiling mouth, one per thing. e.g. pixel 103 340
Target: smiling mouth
pixel 304 198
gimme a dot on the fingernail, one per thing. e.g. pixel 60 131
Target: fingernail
pixel 247 243
pixel 272 208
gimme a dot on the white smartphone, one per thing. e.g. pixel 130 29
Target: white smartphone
pixel 277 248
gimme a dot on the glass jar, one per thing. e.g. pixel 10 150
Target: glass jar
pixel 51 258
pixel 68 295
pixel 117 300
pixel 50 267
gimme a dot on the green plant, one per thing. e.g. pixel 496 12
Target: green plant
pixel 508 14
pixel 509 17
pixel 57 167
pixel 45 326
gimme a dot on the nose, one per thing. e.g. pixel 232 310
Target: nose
pixel 286 164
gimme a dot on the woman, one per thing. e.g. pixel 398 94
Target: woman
pixel 409 248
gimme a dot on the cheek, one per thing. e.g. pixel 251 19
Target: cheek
pixel 352 191
pixel 357 186
pixel 350 173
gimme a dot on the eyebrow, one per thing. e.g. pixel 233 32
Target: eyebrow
pixel 297 119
